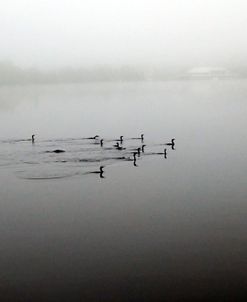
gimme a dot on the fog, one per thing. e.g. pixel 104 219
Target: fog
pixel 60 33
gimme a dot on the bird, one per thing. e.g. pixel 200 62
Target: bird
pixel 134 155
pixel 162 153
pixel 101 142
pixel 100 172
pixel 138 151
pixel 141 137
pixel 119 147
pixel 143 148
pixel 93 137
pixel 171 143
pixel 33 138
pixel 120 139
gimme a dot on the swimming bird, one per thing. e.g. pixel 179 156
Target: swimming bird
pixel 162 153
pixel 165 153
pixel 120 139
pixel 100 172
pixel 33 138
pixel 93 137
pixel 138 151
pixel 101 142
pixel 143 148
pixel 120 148
pixel 172 143
pixel 134 155
pixel 141 137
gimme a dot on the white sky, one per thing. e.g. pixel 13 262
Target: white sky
pixel 52 33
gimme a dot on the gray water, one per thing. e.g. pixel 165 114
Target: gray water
pixel 167 229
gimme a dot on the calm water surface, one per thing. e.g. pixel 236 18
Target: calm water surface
pixel 167 229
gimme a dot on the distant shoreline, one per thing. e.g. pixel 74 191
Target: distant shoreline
pixel 11 75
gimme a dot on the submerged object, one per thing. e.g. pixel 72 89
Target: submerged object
pixel 56 151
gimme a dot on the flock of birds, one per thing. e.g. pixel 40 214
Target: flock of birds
pixel 130 153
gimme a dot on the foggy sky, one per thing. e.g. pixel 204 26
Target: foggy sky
pixel 57 33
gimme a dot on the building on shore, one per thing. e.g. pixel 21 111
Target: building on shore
pixel 208 73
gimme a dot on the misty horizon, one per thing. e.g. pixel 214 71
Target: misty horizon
pixel 55 35
pixel 12 74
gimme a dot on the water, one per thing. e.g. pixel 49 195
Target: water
pixel 166 229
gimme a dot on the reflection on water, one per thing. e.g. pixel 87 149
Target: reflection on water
pixel 152 224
